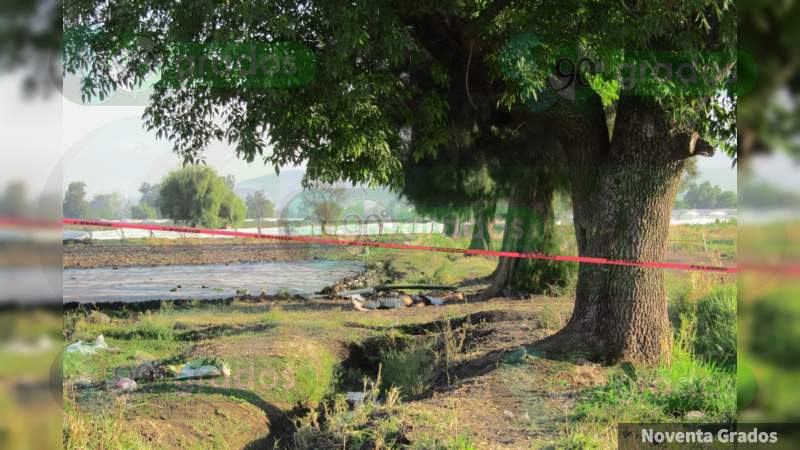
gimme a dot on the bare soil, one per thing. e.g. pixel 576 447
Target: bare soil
pixel 88 256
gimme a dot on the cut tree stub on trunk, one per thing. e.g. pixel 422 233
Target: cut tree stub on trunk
pixel 622 202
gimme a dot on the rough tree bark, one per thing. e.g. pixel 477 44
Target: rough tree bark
pixel 622 198
pixel 483 213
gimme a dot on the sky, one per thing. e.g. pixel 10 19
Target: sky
pixel 51 142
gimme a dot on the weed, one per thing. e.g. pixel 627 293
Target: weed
pixel 576 441
pixel 712 323
pixel 167 308
pixel 370 424
pixel 82 431
pixel 552 318
pixel 409 370
pixel 146 329
pixel 452 345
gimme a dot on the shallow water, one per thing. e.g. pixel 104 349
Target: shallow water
pixel 131 284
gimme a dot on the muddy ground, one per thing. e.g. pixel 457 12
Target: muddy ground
pixel 93 255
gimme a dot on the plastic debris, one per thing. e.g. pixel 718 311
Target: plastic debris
pixel 201 368
pixel 88 348
pixel 355 398
pixel 125 385
pixel 435 301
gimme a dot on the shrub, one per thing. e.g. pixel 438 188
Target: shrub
pixel 711 321
pixel 715 338
pixel 409 369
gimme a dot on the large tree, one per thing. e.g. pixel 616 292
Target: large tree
pixel 396 77
pixel 196 195
pixel 626 145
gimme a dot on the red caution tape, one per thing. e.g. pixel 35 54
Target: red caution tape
pixel 327 241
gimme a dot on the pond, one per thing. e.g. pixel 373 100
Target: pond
pixel 131 284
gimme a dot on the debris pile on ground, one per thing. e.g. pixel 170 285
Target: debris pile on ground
pixel 373 275
pixel 387 299
pixel 125 385
pixel 200 368
pixel 88 348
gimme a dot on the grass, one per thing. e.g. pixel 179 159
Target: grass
pixel 296 355
pixel 703 384
pixel 107 431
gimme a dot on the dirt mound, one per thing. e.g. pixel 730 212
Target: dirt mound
pixel 186 420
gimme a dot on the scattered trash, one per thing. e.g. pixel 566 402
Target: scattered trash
pixel 200 368
pixel 435 301
pixel 149 371
pixel 125 385
pixel 82 383
pixel 88 348
pixel 355 398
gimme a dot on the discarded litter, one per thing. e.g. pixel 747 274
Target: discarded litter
pixel 355 398
pixel 125 385
pixel 88 348
pixel 200 368
pixel 435 301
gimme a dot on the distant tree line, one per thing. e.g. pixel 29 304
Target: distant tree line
pixel 705 196
pixel 193 195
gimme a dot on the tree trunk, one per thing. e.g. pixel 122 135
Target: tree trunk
pixel 481 230
pixel 452 226
pixel 622 209
pixel 530 227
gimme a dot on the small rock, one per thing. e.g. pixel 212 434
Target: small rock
pixel 203 286
pixel 695 415
pixel 125 385
pixel 582 362
pixel 508 414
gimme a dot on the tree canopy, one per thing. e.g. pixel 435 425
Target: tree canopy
pixel 75 204
pixel 627 92
pixel 196 195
